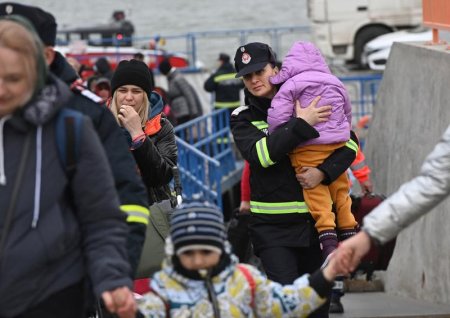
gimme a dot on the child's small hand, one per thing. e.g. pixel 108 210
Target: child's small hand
pixel 357 246
pixel 339 264
pixel 342 260
pixel 312 114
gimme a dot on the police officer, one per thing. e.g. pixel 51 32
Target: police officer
pixel 281 228
pixel 132 193
pixel 225 85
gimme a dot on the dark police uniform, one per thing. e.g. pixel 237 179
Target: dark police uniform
pixel 281 228
pixel 225 86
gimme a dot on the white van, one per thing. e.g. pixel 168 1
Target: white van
pixel 341 28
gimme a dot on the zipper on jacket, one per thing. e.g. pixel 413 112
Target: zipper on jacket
pixel 212 294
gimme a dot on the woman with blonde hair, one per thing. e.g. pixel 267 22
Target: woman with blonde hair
pixel 151 138
pixel 58 230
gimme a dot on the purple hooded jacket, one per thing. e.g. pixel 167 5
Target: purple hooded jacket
pixel 305 75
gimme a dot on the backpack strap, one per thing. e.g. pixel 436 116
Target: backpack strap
pixel 250 281
pixel 68 133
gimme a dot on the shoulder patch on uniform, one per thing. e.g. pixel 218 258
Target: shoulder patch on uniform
pixel 87 93
pixel 238 110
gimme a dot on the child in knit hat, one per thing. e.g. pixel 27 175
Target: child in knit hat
pixel 200 277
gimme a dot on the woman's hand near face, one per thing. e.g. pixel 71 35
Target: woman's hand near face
pixel 312 114
pixel 130 120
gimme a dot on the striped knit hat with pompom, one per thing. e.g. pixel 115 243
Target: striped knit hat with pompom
pixel 197 226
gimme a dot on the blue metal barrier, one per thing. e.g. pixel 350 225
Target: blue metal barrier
pixel 200 174
pixel 362 90
pixel 210 134
pixel 205 155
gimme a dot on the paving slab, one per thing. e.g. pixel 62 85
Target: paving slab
pixel 380 304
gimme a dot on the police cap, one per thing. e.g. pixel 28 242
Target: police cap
pixel 43 22
pixel 253 57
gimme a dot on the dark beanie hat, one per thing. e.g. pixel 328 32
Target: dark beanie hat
pixel 197 226
pixel 42 21
pixel 132 72
pixel 165 66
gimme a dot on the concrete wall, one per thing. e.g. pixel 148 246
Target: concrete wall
pixel 412 112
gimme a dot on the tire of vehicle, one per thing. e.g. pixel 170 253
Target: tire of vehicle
pixel 364 36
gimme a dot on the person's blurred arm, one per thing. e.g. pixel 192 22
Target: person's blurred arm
pixel 103 230
pixel 413 200
pixel 358 246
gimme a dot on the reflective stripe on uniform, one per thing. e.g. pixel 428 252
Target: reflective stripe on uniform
pixel 227 104
pixel 136 213
pixel 260 124
pixel 261 145
pixel 352 145
pixel 263 153
pixel 225 77
pixel 358 166
pixel 278 207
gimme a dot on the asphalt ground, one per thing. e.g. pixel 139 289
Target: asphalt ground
pixel 380 304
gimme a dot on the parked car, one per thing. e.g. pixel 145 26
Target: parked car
pixel 376 52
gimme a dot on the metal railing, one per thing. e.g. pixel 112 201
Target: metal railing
pixel 201 41
pixel 203 45
pixel 200 174
pixel 210 134
pixel 205 155
pixel 362 90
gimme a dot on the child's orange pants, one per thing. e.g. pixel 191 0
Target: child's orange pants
pixel 321 198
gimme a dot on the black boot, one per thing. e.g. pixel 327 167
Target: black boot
pixel 337 292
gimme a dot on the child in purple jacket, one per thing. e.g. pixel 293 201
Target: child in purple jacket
pixel 305 75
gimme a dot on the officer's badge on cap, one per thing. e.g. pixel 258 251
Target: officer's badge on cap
pixel 9 9
pixel 246 58
pixel 252 57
